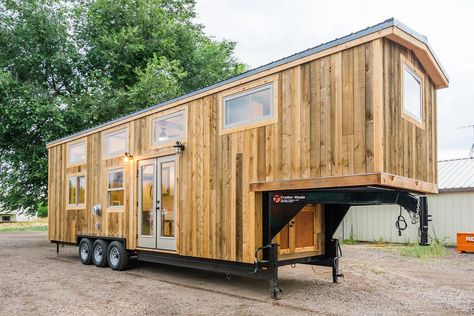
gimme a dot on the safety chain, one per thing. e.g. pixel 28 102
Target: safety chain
pixel 415 217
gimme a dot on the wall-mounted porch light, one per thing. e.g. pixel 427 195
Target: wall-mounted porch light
pixel 179 147
pixel 128 157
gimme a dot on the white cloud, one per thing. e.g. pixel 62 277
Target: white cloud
pixel 268 30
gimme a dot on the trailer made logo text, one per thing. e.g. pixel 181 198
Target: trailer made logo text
pixel 287 199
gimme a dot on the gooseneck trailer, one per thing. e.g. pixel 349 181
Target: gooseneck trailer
pixel 257 171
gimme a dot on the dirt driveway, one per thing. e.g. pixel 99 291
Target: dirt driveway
pixel 36 281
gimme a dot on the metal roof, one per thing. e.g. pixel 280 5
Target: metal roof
pixel 456 175
pixel 338 41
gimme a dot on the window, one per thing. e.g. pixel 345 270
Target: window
pixel 76 153
pixel 6 218
pixel 168 128
pixel 116 143
pixel 77 191
pixel 115 189
pixel 251 106
pixel 412 94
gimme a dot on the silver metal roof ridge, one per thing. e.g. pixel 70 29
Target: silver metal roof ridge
pixel 338 41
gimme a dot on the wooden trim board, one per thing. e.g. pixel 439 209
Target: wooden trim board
pixel 375 179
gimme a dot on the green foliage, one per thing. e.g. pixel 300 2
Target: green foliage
pixel 435 249
pixel 23 229
pixel 42 210
pixel 70 65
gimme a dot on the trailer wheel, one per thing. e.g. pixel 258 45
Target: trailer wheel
pixel 99 253
pixel 118 256
pixel 85 251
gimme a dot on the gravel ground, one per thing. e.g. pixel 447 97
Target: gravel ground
pixel 377 281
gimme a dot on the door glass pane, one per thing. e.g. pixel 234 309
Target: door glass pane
pixel 167 199
pixel 147 200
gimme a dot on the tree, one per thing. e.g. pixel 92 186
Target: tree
pixel 69 65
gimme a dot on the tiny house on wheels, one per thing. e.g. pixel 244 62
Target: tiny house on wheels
pixel 257 171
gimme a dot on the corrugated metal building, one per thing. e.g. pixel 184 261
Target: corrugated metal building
pixel 452 210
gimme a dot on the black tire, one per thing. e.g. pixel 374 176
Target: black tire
pixel 117 256
pixel 85 251
pixel 99 253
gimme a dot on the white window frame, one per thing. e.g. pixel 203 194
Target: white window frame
pixel 408 67
pixel 74 144
pixel 77 205
pixel 115 154
pixel 115 207
pixel 260 119
pixel 157 143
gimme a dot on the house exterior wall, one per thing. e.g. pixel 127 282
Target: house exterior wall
pixel 410 150
pixel 330 123
pixel 324 127
pixel 452 213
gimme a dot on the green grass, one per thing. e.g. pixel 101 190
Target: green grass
pixel 352 239
pixel 23 229
pixel 348 242
pixel 434 250
pixel 39 225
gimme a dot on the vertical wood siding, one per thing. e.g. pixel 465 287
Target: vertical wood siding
pixel 409 151
pixel 325 128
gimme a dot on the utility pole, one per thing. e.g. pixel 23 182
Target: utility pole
pixel 471 152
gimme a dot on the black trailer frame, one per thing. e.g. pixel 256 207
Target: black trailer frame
pixel 279 207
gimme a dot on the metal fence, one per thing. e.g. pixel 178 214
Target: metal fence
pixel 452 213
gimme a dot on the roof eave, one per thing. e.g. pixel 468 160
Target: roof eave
pixel 391 28
pixel 405 36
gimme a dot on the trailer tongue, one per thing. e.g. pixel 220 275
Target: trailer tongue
pixel 279 207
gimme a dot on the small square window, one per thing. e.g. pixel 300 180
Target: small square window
pixel 115 188
pixel 248 107
pixel 116 143
pixel 77 191
pixel 412 94
pixel 168 128
pixel 76 153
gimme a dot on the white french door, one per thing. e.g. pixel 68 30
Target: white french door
pixel 157 203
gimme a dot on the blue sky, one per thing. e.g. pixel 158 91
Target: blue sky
pixel 269 30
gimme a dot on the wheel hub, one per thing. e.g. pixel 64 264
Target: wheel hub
pixel 84 251
pixel 114 256
pixel 98 253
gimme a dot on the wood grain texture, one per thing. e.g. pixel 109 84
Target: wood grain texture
pixel 338 123
pixel 409 150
